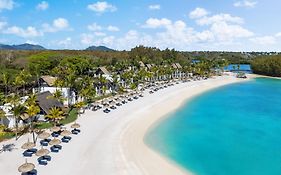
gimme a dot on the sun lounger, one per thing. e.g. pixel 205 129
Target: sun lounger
pixel 54 134
pixel 42 161
pixel 27 154
pixel 58 146
pixel 47 157
pixel 106 110
pixel 67 137
pixel 54 149
pixel 78 130
pixel 74 132
pixel 64 140
pixel 33 150
pixel 44 143
pixel 33 172
pixel 112 107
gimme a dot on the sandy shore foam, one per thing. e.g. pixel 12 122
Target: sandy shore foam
pixel 113 144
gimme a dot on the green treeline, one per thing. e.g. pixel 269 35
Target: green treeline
pixel 268 65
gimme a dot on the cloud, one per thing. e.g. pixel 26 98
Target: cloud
pixel 87 39
pixel 58 24
pixel 245 3
pixel 208 20
pixel 154 7
pixel 264 40
pixel 277 35
pixel 156 23
pixel 3 24
pixel 112 28
pixel 94 27
pixel 101 7
pixel 228 32
pixel 42 6
pixel 198 13
pixel 65 43
pixel 31 42
pixel 21 32
pixel 6 5
pixel 100 34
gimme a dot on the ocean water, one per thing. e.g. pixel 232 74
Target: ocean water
pixel 231 130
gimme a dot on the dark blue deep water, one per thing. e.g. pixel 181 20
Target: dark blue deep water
pixel 231 130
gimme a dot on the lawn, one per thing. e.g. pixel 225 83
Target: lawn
pixel 6 135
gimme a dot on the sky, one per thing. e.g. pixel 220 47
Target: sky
pixel 186 25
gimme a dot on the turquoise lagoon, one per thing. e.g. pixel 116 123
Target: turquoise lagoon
pixel 231 130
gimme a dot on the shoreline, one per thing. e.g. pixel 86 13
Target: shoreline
pixel 141 127
pixel 114 143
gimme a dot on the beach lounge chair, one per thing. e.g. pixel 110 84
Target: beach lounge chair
pixel 64 140
pixel 58 146
pixel 27 153
pixel 33 172
pixel 106 110
pixel 55 134
pixel 42 161
pixel 67 137
pixel 47 157
pixel 78 130
pixel 43 143
pixel 112 107
pixel 54 149
pixel 33 150
pixel 74 132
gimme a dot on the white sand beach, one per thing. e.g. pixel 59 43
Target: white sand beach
pixel 112 144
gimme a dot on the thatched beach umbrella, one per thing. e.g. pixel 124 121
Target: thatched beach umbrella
pixel 65 133
pixel 54 142
pixel 44 135
pixel 75 125
pixel 42 152
pixel 28 145
pixel 26 167
pixel 55 129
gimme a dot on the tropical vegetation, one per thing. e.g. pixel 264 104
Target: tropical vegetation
pixel 269 65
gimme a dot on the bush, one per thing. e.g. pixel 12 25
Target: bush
pixel 268 65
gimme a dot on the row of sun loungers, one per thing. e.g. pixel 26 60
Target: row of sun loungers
pixel 55 147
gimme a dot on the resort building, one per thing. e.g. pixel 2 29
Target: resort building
pixel 9 120
pixel 177 70
pixel 103 72
pixel 47 83
pixel 46 101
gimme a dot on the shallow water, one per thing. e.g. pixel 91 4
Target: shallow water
pixel 231 130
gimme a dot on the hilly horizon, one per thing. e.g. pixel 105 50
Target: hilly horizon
pixel 27 46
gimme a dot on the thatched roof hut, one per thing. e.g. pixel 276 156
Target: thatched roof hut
pixel 46 101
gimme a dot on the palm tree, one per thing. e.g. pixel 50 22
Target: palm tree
pixel 18 110
pixel 25 78
pixel 2 114
pixel 79 105
pixel 55 114
pixel 58 96
pixel 18 82
pixel 32 110
pixel 6 80
pixel 103 82
pixel 2 98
